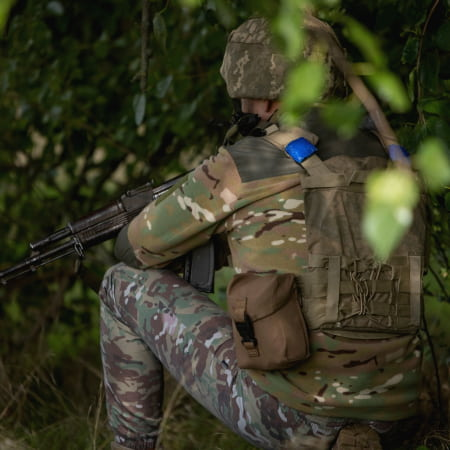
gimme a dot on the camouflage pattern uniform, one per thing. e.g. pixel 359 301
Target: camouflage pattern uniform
pixel 249 192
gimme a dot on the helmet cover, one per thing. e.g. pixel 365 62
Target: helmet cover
pixel 253 67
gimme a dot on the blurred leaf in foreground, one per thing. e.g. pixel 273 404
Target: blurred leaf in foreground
pixel 391 196
pixel 304 87
pixel 391 89
pixel 286 27
pixel 5 6
pixel 433 162
pixel 357 33
pixel 344 116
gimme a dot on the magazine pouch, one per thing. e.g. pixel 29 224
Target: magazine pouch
pixel 269 330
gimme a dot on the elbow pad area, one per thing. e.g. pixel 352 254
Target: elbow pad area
pixel 123 251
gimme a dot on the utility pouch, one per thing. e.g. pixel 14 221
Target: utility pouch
pixel 269 330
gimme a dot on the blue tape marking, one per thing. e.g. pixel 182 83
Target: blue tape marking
pixel 300 149
pixel 397 152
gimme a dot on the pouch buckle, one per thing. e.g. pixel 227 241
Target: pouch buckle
pixel 247 332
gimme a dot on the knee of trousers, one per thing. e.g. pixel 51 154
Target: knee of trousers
pixel 107 291
pixel 119 280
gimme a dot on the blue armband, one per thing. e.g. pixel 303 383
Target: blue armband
pixel 300 149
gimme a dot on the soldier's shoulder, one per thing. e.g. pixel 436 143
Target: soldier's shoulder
pixel 257 158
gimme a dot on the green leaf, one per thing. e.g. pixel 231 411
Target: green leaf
pixel 429 70
pixel 432 159
pixel 139 105
pixel 344 117
pixel 411 50
pixel 5 6
pixel 391 196
pixel 391 89
pixel 287 28
pixel 436 106
pixel 365 41
pixel 160 30
pixel 411 87
pixel 163 86
pixel 304 86
pixel 395 187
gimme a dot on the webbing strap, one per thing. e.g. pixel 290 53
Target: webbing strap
pixel 316 287
pixel 244 327
pixel 415 281
pixel 319 175
pixel 282 137
pixel 319 260
pixel 334 278
pixel 360 176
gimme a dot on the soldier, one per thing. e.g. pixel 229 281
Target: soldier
pixel 347 393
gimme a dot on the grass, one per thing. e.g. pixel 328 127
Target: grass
pixel 42 410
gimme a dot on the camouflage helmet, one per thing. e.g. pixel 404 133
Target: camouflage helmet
pixel 252 67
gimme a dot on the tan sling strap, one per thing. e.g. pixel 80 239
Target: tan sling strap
pixel 280 137
pixel 384 131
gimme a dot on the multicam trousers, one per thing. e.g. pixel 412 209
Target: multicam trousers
pixel 151 319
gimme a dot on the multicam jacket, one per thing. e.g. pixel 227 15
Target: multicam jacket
pixel 250 191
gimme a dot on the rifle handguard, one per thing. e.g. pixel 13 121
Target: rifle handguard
pixel 104 224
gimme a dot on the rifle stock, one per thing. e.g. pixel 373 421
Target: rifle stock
pixel 104 224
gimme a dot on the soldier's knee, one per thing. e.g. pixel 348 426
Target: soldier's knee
pixel 107 287
pixel 120 279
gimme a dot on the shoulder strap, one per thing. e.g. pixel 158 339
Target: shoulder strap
pixel 282 137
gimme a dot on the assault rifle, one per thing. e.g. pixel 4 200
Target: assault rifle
pixel 104 224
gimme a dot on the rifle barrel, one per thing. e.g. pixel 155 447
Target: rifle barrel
pixel 31 263
pixel 54 237
pixel 94 228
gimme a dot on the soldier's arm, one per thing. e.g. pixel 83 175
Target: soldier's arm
pixel 190 213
